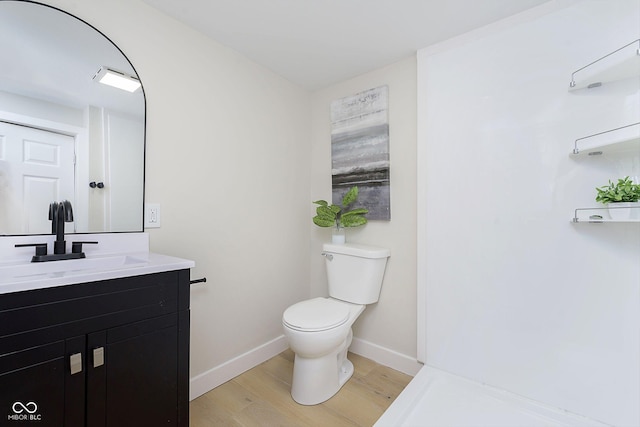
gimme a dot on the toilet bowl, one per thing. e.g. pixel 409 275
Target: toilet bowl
pixel 319 333
pixel 319 329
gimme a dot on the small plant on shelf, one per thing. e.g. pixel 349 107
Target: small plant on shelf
pixel 622 191
pixel 340 216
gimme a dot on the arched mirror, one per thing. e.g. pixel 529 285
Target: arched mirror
pixel 63 134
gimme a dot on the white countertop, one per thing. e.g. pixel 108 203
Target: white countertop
pixel 28 276
pixel 115 256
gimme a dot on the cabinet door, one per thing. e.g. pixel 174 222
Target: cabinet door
pixel 37 385
pixel 32 385
pixel 136 382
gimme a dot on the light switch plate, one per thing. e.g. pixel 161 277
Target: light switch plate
pixel 152 215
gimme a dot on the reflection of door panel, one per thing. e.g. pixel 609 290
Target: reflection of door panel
pixel 124 174
pixel 36 168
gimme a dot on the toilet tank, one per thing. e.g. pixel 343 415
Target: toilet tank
pixel 355 272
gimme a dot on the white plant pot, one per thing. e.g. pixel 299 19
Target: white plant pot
pixel 338 236
pixel 622 211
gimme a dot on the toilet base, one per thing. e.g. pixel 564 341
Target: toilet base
pixel 316 380
pixel 346 371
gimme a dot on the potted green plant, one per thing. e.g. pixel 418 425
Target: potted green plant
pixel 619 195
pixel 340 216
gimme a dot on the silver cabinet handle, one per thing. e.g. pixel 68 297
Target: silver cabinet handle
pixel 75 363
pixel 98 357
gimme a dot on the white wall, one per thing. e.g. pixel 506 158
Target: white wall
pixel 516 295
pixel 390 323
pixel 227 159
pixel 11 104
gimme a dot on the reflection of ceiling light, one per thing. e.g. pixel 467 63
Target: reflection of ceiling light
pixel 117 79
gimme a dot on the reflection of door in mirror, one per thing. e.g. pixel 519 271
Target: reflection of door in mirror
pixel 36 168
pixel 115 154
pixel 46 82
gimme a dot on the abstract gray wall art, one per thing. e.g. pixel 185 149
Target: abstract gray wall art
pixel 360 150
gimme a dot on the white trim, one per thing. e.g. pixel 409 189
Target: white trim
pixel 207 381
pixel 421 203
pixel 384 356
pixel 230 369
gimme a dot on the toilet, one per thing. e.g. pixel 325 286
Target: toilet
pixel 319 329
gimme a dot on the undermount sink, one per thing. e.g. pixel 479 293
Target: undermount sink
pixel 25 271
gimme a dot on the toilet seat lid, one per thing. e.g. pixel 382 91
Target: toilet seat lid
pixel 318 314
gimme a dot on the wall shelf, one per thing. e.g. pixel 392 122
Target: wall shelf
pixel 625 139
pixel 601 215
pixel 620 64
pixel 623 63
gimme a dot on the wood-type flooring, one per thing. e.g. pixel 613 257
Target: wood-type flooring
pixel 261 397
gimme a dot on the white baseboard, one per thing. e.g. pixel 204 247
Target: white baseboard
pixel 385 356
pixel 214 377
pixel 220 374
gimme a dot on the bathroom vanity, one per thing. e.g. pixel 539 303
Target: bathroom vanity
pixel 96 342
pixel 96 331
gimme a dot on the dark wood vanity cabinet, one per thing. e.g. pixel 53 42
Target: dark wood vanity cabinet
pixel 111 353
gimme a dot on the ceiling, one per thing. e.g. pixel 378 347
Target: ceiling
pixel 315 43
pixel 52 56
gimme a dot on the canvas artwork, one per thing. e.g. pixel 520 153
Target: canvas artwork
pixel 360 150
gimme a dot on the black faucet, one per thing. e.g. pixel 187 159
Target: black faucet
pixel 59 213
